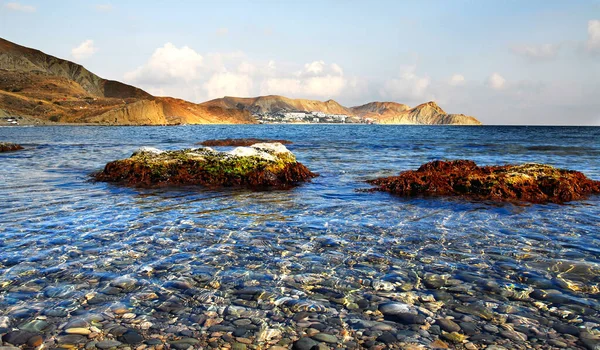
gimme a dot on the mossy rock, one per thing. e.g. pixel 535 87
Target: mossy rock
pixel 9 147
pixel 262 165
pixel 531 182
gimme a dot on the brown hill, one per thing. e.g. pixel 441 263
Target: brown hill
pixel 46 88
pixel 274 103
pixel 43 88
pixel 427 113
pixel 381 112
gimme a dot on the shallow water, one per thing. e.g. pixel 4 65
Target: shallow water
pixel 65 239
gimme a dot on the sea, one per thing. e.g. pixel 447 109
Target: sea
pixel 325 257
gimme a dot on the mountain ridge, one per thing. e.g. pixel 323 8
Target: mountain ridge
pixel 428 113
pixel 47 89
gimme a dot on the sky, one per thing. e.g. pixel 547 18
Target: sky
pixel 504 62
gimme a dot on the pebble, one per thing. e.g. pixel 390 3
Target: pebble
pixel 107 344
pixel 395 308
pixel 131 337
pixel 513 335
pixel 448 325
pixel 81 331
pixel 387 338
pixel 17 337
pixel 304 344
pixel 324 337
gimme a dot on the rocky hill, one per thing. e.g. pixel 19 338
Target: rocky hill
pixel 380 112
pixel 274 103
pixel 42 88
pixel 427 113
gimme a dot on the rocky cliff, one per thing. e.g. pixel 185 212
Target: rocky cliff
pixel 274 103
pixel 380 112
pixel 427 113
pixel 41 88
pixel 45 88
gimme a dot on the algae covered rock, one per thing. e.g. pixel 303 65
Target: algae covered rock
pixel 261 165
pixel 9 147
pixel 531 182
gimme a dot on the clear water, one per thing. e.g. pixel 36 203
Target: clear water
pixel 63 238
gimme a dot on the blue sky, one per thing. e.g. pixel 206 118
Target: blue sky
pixel 504 62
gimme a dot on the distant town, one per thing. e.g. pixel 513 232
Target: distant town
pixel 308 118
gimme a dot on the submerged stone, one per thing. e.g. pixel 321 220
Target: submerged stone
pixel 261 165
pixel 531 182
pixel 241 142
pixel 9 147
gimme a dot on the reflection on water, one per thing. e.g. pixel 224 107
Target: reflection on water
pixel 70 247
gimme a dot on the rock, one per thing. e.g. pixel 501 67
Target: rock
pixel 9 147
pixel 81 331
pixel 434 281
pixel 72 339
pixel 107 344
pixel 240 142
pixel 181 285
pixel 304 344
pixel 262 164
pixel 35 341
pixel 566 328
pixel 131 337
pixel 406 318
pixel 513 335
pixel 387 338
pixel 438 344
pixel 395 308
pixel 4 322
pixel 469 328
pixel 447 325
pixel 476 310
pixel 238 346
pixel 590 341
pixel 35 326
pixel 324 337
pixel 535 183
pixel 454 337
pixel 17 337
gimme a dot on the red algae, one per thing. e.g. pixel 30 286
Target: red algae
pixel 9 147
pixel 534 183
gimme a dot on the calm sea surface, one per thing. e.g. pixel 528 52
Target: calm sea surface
pixel 70 247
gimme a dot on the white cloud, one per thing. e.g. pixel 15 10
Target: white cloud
pixel 408 86
pixel 537 52
pixel 315 67
pixel 167 65
pixel 496 81
pixel 222 31
pixel 183 72
pixel 593 43
pixel 84 50
pixel 317 80
pixel 457 79
pixel 15 6
pixel 104 7
pixel 228 84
